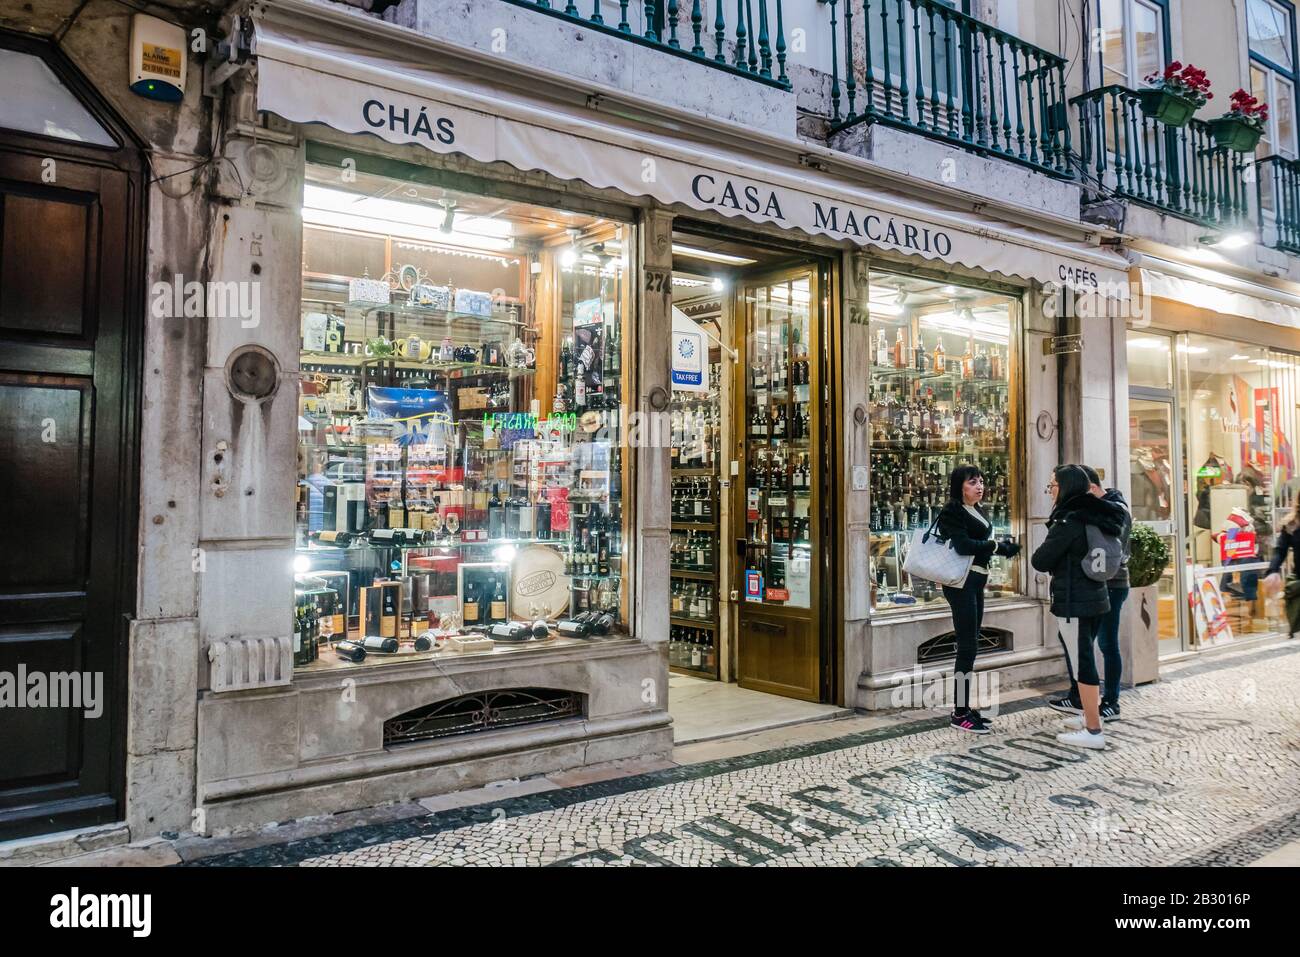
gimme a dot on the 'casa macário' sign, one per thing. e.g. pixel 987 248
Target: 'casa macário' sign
pixel 815 216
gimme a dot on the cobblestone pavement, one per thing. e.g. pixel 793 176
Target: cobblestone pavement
pixel 1203 769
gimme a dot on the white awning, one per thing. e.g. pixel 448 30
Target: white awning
pixel 1218 292
pixel 310 78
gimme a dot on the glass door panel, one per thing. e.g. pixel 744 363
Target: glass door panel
pixel 779 475
pixel 1152 490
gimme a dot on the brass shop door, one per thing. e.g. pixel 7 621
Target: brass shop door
pixel 778 428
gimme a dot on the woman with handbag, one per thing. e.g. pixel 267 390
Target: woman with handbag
pixel 1288 544
pixel 966 527
pixel 1079 601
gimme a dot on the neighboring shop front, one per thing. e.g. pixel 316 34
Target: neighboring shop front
pixel 1212 426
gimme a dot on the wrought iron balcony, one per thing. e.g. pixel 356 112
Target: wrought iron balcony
pixel 921 65
pixel 753 48
pixel 1277 185
pixel 1178 170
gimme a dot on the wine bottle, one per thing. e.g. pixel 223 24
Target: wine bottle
pixel 469 613
pixel 328 537
pixel 498 608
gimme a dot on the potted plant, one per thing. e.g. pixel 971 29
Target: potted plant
pixel 1139 643
pixel 1241 127
pixel 1175 94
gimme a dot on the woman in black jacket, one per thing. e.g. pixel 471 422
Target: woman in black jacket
pixel 1078 602
pixel 966 526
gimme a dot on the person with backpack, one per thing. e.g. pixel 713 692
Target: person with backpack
pixel 967 528
pixel 1081 552
pixel 1108 634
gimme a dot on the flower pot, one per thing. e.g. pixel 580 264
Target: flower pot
pixel 1139 637
pixel 1169 109
pixel 1235 134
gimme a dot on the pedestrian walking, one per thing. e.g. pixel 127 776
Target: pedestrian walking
pixel 1108 633
pixel 1080 599
pixel 966 526
pixel 1287 545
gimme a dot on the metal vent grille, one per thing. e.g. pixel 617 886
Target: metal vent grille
pixel 945 646
pixel 483 711
pixel 239 663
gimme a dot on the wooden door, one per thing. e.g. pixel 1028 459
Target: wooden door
pixel 67 230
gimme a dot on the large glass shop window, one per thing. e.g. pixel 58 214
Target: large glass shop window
pixel 940 397
pixel 460 470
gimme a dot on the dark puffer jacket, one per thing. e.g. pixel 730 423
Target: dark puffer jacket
pixel 1074 594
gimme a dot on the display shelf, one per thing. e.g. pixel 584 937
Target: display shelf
pixel 687 621
pixel 408 310
pixel 466 369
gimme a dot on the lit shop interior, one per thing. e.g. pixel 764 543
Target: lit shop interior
pixel 1213 471
pixel 460 480
pixel 942 388
pixel 747 465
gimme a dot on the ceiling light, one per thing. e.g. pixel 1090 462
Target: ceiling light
pixel 719 285
pixel 449 214
pixel 691 252
pixel 1237 357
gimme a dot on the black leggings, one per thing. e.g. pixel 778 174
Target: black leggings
pixel 967 604
pixel 1079 655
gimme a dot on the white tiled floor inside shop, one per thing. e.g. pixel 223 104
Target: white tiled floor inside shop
pixel 705 710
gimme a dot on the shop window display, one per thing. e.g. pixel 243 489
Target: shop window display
pixel 941 396
pixel 460 467
pixel 1238 451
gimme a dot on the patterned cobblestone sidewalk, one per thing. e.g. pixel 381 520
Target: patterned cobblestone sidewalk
pixel 1204 769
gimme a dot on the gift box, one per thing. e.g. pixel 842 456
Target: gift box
pixel 425 294
pixel 474 303
pixel 369 290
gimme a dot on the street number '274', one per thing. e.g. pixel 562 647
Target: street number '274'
pixel 661 282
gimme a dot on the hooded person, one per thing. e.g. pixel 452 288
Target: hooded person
pixel 1079 601
pixel 1117 589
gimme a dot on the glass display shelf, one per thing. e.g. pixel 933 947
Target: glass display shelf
pixel 408 310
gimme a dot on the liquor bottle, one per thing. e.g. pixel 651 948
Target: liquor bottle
pixel 470 613
pixel 498 608
pixel 968 363
pixel 940 360
pixel 328 537
pixel 496 515
pixel 298 658
pixel 543 519
pixel 880 355
pixel 900 351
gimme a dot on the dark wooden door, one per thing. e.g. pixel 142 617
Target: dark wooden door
pixel 68 223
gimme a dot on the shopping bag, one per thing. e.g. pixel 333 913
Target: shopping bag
pixel 935 560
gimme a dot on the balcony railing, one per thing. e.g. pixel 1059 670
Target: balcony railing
pixel 1175 169
pixel 754 48
pixel 1277 185
pixel 921 65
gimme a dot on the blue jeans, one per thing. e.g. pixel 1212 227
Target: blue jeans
pixel 1108 642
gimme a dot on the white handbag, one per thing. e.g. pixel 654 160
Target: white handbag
pixel 935 560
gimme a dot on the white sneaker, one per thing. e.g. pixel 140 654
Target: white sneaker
pixel 1074 723
pixel 1083 738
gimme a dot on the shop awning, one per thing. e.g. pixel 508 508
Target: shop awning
pixel 323 77
pixel 1218 292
